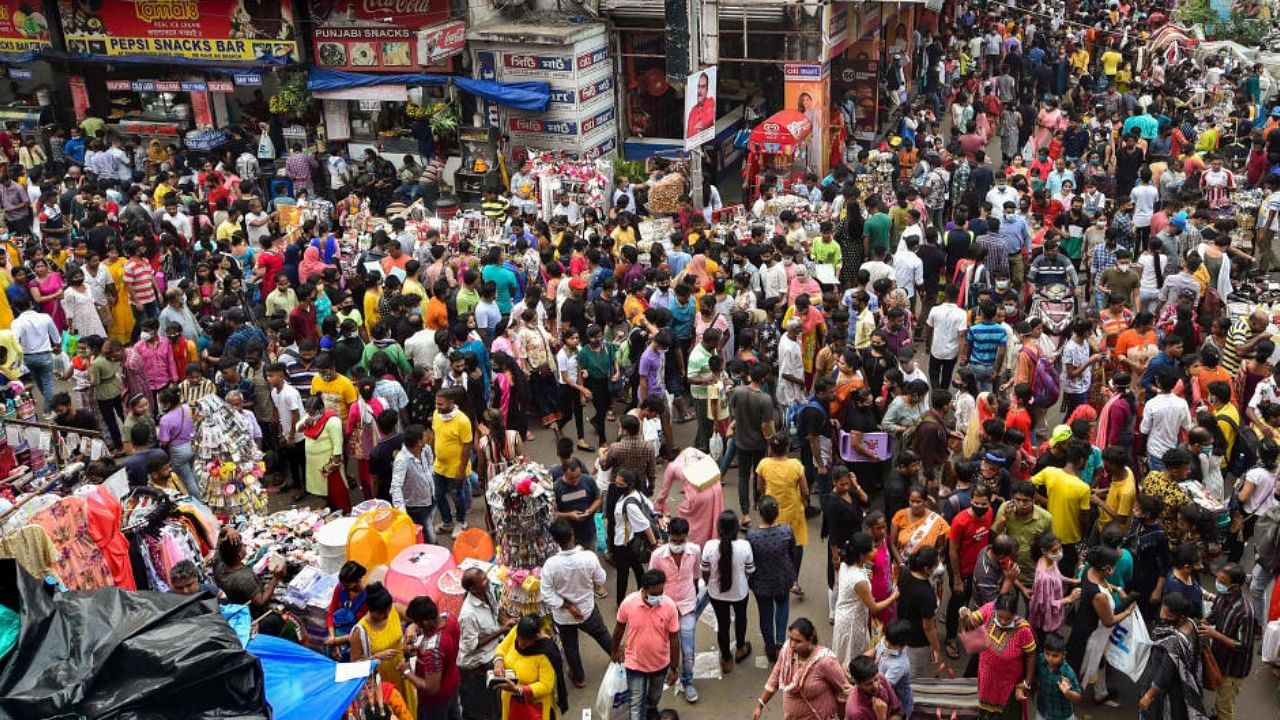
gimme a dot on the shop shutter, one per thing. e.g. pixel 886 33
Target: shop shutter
pixel 756 11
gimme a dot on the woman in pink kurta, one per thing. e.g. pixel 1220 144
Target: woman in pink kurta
pixel 700 507
pixel 1049 120
pixel 813 684
pixel 46 290
pixel 1006 667
pixel 882 578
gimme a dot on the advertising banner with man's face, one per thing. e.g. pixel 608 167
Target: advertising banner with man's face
pixel 700 108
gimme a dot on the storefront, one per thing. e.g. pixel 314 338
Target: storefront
pixel 753 43
pixel 581 119
pixel 164 68
pixel 24 36
pixel 377 36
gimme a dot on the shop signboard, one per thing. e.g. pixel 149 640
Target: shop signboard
pixel 21 28
pixel 835 28
pixel 248 79
pixel 364 48
pixel 855 89
pixel 79 97
pixel 486 69
pixel 19 74
pixel 186 86
pixel 440 42
pixel 405 13
pixel 536 65
pixel 215 30
pixel 807 91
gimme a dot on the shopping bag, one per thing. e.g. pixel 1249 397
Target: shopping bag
pixel 1271 642
pixel 1129 646
pixel 613 698
pixel 975 640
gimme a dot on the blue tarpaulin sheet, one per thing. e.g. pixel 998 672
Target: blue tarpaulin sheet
pixel 531 96
pixel 299 682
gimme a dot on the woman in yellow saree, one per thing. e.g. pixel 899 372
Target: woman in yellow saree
pixel 121 312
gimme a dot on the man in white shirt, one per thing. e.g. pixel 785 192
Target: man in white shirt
pixel 876 267
pixel 942 331
pixel 569 581
pixel 1163 417
pixel 257 223
pixel 1002 192
pixel 413 486
pixel 421 348
pixel 791 387
pixel 480 631
pixel 39 338
pixel 908 268
pixel 774 278
pixel 569 209
pixel 286 403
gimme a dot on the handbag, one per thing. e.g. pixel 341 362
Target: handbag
pixel 1211 674
pixel 975 640
pixel 638 545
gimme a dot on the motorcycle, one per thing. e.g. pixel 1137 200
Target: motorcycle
pixel 1055 305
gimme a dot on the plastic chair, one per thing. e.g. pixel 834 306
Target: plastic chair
pixel 380 535
pixel 473 543
pixel 416 571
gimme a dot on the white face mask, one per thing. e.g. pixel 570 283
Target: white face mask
pixel 677 548
pixel 144 336
pixel 652 600
pixel 1123 267
pixel 1055 557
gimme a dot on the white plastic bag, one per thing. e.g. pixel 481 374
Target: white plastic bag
pixel 613 699
pixel 1129 646
pixel 717 446
pixel 1271 642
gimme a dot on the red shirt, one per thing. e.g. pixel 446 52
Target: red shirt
pixel 1021 419
pixel 438 653
pixel 971 534
pixel 273 264
pixel 302 320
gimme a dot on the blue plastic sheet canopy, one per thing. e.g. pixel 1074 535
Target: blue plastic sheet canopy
pixel 530 96
pixel 300 682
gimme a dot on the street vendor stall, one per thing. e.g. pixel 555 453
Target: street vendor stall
pixel 772 147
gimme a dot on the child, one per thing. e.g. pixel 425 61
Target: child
pixel 1057 685
pixel 895 666
pixel 1047 605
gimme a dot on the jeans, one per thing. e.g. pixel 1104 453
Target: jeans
pixel 462 497
pixel 423 515
pixel 730 451
pixel 646 690
pixel 41 367
pixel 722 608
pixel 181 458
pixel 688 646
pixel 1154 463
pixel 747 461
pixel 593 626
pixel 1073 401
pixel 940 373
pixel 984 375
pixel 1262 581
pixel 1148 299
pixel 150 310
pixel 774 613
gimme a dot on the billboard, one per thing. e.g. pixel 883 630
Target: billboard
pixel 214 30
pixel 21 29
pixel 700 108
pixel 364 48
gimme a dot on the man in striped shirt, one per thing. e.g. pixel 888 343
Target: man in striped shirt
pixel 982 347
pixel 140 282
pixel 1244 336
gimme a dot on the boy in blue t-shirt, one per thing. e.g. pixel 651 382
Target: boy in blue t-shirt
pixel 891 658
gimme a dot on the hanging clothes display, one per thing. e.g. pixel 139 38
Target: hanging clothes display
pixel 104 527
pixel 31 548
pixel 80 564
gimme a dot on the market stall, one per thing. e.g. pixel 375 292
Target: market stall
pixel 772 148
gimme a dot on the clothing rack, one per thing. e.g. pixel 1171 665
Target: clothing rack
pixel 58 431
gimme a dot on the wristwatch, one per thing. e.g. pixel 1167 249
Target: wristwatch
pixel 760 702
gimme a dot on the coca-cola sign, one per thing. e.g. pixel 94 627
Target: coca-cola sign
pixel 440 42
pixel 412 14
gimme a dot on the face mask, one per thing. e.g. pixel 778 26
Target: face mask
pixel 1002 284
pixel 1123 267
pixel 145 336
pixel 677 548
pixel 1010 309
pixel 1054 556
pixel 1222 589
pixel 652 600
pixel 1206 449
pixel 1006 626
pixel 979 511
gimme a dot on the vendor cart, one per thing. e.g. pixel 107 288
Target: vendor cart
pixel 772 148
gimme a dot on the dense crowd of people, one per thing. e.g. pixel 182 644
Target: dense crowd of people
pixel 987 478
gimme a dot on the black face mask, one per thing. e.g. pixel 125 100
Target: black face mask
pixel 979 511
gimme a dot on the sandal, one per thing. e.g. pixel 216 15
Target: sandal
pixel 585 446
pixel 952 651
pixel 743 653
pixel 797 591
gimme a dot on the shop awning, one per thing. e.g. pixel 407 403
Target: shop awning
pixel 300 683
pixel 530 96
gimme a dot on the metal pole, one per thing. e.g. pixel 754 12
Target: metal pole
pixel 694 10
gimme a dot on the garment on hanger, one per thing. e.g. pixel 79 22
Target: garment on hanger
pixel 32 549
pixel 80 564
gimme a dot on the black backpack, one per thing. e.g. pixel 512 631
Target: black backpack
pixel 1244 452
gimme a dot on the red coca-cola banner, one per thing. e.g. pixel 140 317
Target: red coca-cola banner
pixel 411 14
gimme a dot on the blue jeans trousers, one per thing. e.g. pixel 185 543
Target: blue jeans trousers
pixel 461 489
pixel 774 615
pixel 41 367
pixel 646 691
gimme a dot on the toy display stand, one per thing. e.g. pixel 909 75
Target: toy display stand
pixel 522 501
pixel 227 461
pixel 586 182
